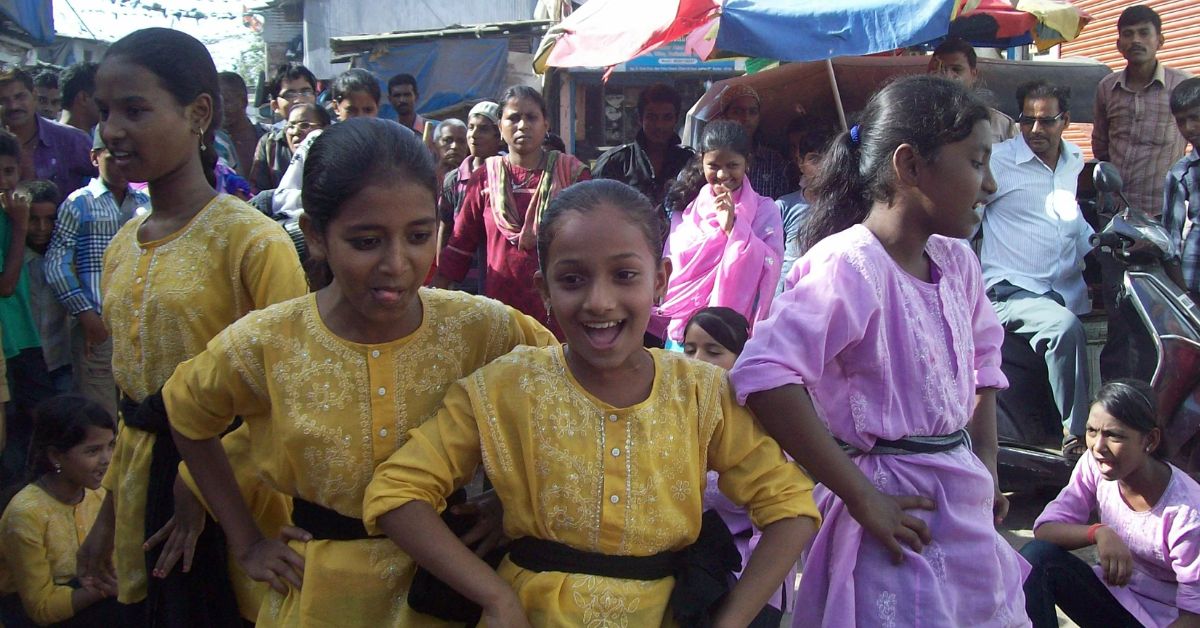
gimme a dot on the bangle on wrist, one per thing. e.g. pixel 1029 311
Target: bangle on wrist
pixel 1091 533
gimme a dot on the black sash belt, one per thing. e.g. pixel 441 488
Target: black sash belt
pixel 202 597
pixel 542 555
pixel 911 445
pixel 327 524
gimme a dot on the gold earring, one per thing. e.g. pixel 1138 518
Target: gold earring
pixel 200 134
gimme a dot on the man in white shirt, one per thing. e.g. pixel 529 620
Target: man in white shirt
pixel 1034 240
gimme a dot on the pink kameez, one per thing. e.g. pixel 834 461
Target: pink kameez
pixel 1164 541
pixel 709 268
pixel 885 355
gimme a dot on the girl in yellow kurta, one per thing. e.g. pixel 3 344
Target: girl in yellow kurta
pixel 173 278
pixel 599 446
pixel 44 523
pixel 330 384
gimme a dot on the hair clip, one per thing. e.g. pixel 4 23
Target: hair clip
pixel 855 134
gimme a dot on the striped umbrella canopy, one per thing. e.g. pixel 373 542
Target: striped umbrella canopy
pixel 1008 23
pixel 603 33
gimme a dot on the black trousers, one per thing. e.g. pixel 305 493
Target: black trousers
pixel 1061 578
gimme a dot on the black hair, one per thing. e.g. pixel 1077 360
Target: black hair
pixel 553 142
pixel 185 69
pixel 924 111
pixel 9 145
pixel 233 79
pixel 718 135
pixel 290 72
pixel 1139 14
pixel 354 80
pixel 1133 403
pixel 1186 95
pixel 46 78
pixel 1044 89
pixel 725 326
pixel 351 155
pixel 322 113
pixel 78 78
pixel 61 423
pixel 659 93
pixel 403 79
pixel 9 73
pixel 813 137
pixel 524 92
pixel 953 45
pixel 586 196
pixel 41 191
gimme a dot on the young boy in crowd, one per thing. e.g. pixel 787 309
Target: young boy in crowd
pixel 29 381
pixel 355 93
pixel 54 324
pixel 806 142
pixel 1181 199
pixel 87 222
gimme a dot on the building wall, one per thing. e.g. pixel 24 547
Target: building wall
pixel 1181 29
pixel 324 19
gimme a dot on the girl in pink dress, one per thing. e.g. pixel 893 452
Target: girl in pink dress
pixel 727 245
pixel 877 370
pixel 1148 537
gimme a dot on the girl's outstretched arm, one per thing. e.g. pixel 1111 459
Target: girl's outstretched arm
pixel 417 529
pixel 777 551
pixel 788 415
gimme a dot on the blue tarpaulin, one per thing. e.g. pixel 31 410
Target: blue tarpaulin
pixel 822 29
pixel 449 72
pixel 35 17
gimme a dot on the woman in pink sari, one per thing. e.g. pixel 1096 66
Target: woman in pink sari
pixel 726 246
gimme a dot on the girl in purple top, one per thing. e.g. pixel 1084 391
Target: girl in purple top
pixel 717 335
pixel 1148 536
pixel 877 370
pixel 726 247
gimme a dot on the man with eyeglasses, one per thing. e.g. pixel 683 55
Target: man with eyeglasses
pixel 292 84
pixel 1034 241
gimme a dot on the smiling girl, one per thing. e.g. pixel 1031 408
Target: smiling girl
pixel 330 384
pixel 503 203
pixel 598 450
pixel 726 246
pixel 1148 535
pixel 172 279
pixel 44 523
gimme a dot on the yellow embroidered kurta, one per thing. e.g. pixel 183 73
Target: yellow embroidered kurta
pixel 39 537
pixel 572 469
pixel 163 300
pixel 323 412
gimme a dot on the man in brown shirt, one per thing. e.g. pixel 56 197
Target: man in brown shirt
pixel 1133 127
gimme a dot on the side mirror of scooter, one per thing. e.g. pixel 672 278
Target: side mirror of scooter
pixel 1108 181
pixel 1106 178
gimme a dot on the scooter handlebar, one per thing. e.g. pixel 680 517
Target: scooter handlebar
pixel 1106 238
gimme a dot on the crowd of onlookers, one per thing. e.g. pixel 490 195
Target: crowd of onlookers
pixel 803 259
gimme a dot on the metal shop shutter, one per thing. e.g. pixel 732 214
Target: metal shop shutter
pixel 1181 28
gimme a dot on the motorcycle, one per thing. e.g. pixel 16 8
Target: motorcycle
pixel 1167 316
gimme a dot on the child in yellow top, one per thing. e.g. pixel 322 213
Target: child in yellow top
pixel 172 279
pixel 599 445
pixel 44 523
pixel 330 384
